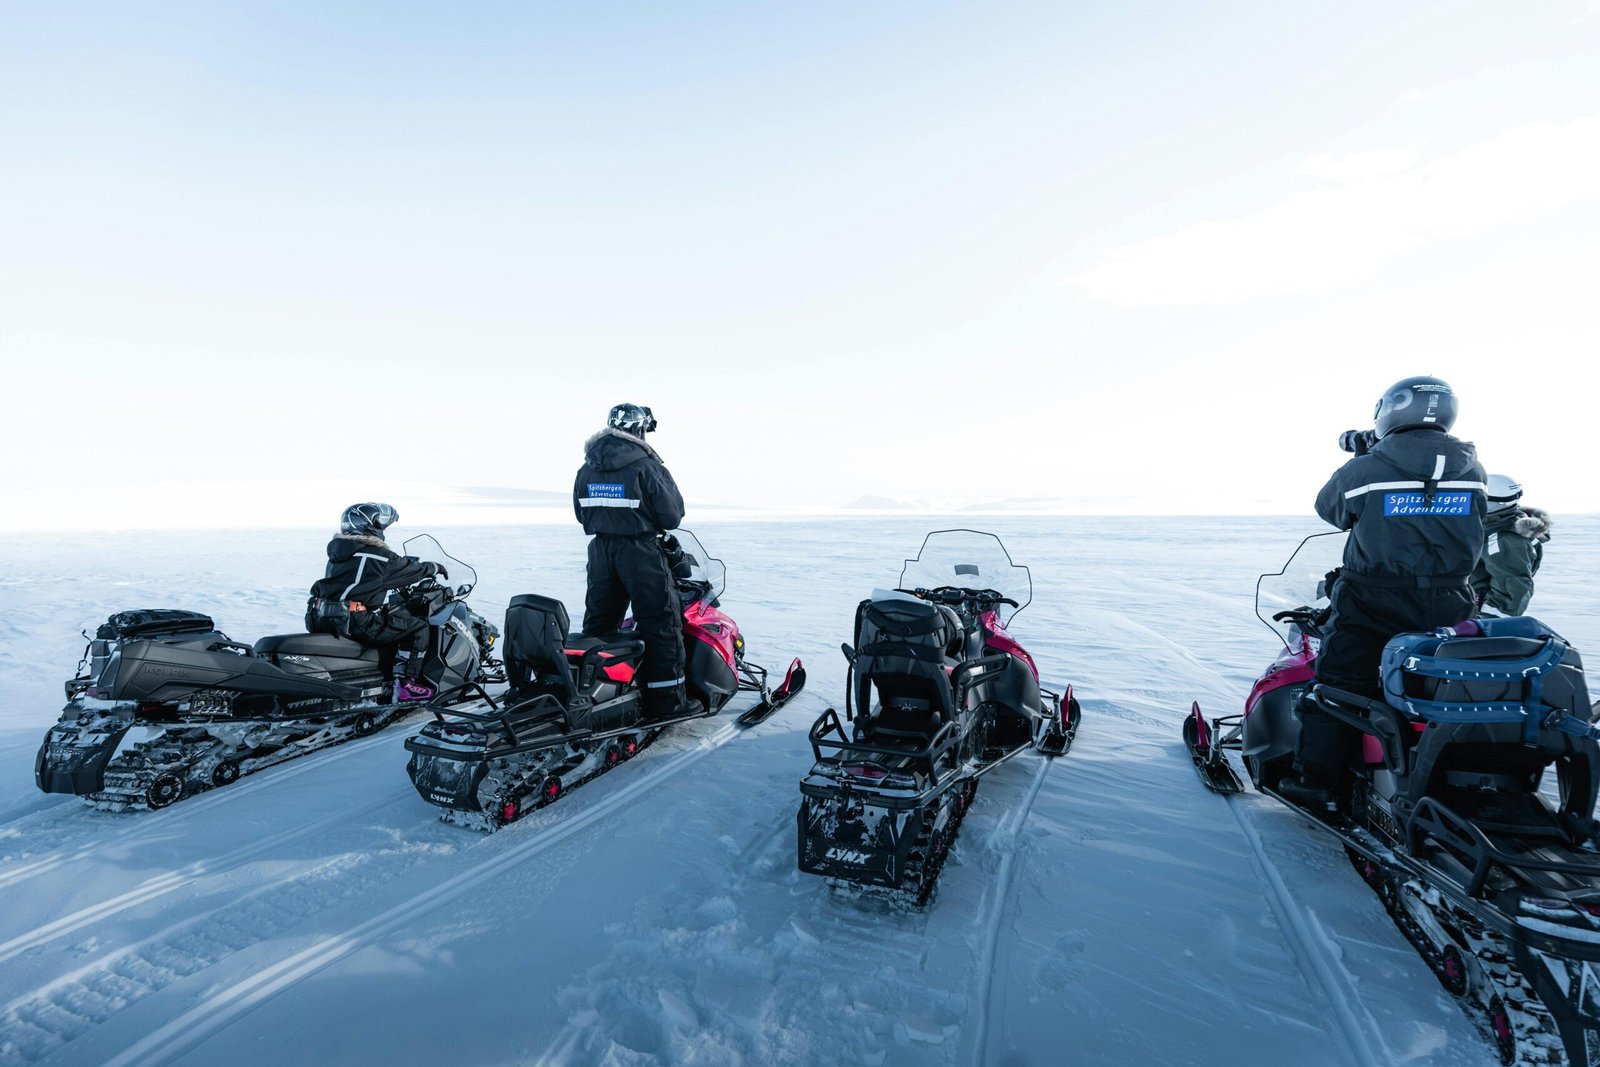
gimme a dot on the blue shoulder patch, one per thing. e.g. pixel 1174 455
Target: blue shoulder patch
pixel 1409 505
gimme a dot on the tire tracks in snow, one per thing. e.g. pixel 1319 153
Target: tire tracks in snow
pixel 163 884
pixel 991 995
pixel 222 1006
pixel 1316 955
pixel 159 824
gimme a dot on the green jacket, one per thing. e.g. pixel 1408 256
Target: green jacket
pixel 1513 548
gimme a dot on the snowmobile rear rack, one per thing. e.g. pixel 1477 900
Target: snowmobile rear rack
pixel 1469 843
pixel 840 749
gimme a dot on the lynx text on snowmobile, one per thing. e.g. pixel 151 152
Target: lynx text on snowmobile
pixel 937 694
pixel 165 704
pixel 1490 870
pixel 574 709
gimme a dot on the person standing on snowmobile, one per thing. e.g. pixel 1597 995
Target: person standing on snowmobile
pixel 1413 499
pixel 626 499
pixel 1513 548
pixel 358 597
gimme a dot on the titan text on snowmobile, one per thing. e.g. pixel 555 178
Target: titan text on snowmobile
pixel 1490 869
pixel 165 705
pixel 574 709
pixel 937 694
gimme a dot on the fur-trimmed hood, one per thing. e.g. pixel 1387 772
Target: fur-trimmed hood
pixel 1533 524
pixel 369 541
pixel 611 449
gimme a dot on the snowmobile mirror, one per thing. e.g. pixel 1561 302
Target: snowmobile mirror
pixel 849 654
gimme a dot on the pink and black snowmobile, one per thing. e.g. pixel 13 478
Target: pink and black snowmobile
pixel 574 708
pixel 1489 867
pixel 937 695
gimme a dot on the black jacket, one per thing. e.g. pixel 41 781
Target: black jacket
pixel 623 488
pixel 365 569
pixel 1380 497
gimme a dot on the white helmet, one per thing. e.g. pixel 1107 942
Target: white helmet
pixel 1504 492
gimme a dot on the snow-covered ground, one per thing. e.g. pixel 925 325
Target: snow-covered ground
pixel 1102 908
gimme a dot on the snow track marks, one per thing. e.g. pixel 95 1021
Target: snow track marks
pixel 1316 955
pixel 223 1006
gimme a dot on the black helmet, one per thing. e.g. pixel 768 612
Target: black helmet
pixel 368 519
pixel 1413 403
pixel 631 418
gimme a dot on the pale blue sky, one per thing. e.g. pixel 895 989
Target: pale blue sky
pixel 1137 257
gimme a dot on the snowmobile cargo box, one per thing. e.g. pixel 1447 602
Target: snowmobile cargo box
pixel 1513 670
pixel 155 624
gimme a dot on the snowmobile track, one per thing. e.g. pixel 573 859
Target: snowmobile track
pixel 1315 954
pixel 223 1006
pixel 159 824
pixel 991 997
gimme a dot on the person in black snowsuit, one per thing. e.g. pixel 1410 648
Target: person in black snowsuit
pixel 1413 499
pixel 626 499
pixel 358 596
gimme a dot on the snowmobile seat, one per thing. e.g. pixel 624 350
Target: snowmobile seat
pixel 542 654
pixel 904 650
pixel 314 645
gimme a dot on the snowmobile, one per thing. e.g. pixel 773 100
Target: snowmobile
pixel 937 694
pixel 574 709
pixel 165 705
pixel 1490 869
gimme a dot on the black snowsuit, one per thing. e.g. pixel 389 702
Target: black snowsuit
pixel 367 571
pixel 626 498
pixel 1414 505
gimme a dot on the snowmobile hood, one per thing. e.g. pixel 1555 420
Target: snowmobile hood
pixel 1417 452
pixel 612 450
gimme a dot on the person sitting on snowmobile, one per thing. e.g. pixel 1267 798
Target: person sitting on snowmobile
pixel 1513 548
pixel 1413 499
pixel 626 499
pixel 358 596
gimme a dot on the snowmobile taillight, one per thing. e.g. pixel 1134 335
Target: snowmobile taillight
pixel 150 706
pixel 863 771
pixel 1588 908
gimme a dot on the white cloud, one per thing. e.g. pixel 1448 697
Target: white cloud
pixel 1359 211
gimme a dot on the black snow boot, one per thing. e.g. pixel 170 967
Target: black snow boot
pixel 663 704
pixel 1309 790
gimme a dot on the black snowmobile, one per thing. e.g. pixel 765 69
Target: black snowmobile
pixel 164 704
pixel 573 709
pixel 937 694
pixel 1489 868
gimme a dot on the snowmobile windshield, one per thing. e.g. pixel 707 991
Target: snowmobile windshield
pixel 969 559
pixel 1299 584
pixel 426 549
pixel 699 567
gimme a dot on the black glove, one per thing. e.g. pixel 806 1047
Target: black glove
pixel 1325 587
pixel 435 570
pixel 1358 441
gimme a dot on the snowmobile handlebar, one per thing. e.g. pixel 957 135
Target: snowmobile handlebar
pixel 955 596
